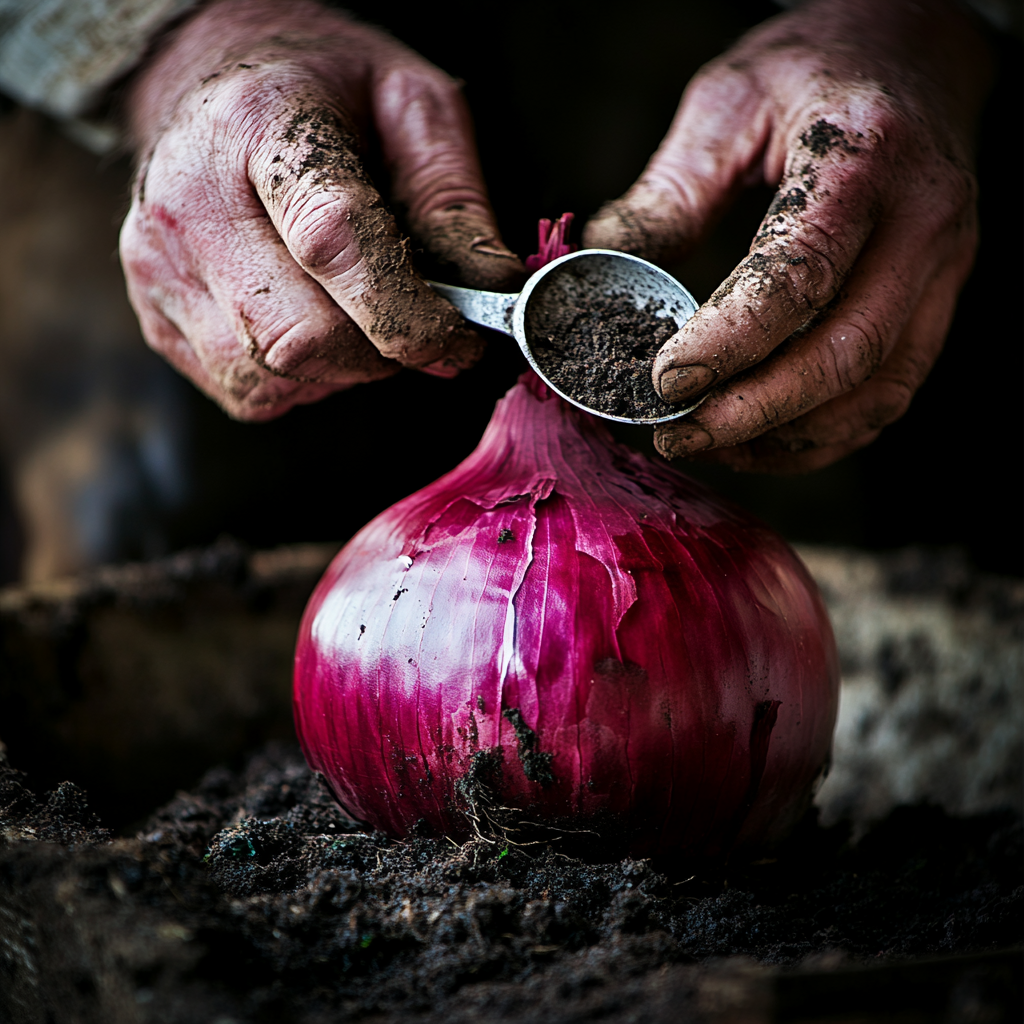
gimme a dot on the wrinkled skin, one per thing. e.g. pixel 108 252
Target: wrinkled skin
pixel 260 258
pixel 862 113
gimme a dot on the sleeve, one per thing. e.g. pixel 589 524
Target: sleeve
pixel 60 56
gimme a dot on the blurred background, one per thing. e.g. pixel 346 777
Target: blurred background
pixel 108 455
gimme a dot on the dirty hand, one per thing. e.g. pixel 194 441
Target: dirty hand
pixel 260 258
pixel 862 112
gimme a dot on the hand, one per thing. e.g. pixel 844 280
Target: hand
pixel 862 112
pixel 260 258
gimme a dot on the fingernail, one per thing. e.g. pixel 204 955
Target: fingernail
pixel 489 245
pixel 681 439
pixel 680 382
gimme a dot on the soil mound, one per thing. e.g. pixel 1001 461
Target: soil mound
pixel 254 898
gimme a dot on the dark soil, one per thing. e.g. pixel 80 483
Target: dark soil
pixel 823 136
pixel 254 898
pixel 602 355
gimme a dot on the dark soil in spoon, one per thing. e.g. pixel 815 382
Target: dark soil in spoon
pixel 255 899
pixel 602 355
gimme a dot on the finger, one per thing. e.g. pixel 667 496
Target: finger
pixel 823 213
pixel 185 325
pixel 427 141
pixel 178 316
pixel 283 319
pixel 307 173
pixel 852 419
pixel 710 151
pixel 219 295
pixel 847 347
pixel 244 392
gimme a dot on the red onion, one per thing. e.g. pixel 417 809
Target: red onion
pixel 569 629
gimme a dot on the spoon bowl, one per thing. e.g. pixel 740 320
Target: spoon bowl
pixel 581 279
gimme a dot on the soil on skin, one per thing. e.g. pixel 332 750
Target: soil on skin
pixel 603 354
pixel 823 136
pixel 406 318
pixel 254 898
pixel 459 247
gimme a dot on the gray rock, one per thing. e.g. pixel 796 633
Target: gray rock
pixel 932 702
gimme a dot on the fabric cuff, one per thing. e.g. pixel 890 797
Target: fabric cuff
pixel 61 56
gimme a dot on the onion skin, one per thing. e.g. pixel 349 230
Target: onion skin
pixel 666 659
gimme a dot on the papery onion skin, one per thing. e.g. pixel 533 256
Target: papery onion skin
pixel 670 654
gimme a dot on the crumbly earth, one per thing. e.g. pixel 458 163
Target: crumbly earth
pixel 602 354
pixel 255 898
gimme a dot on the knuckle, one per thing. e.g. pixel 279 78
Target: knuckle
pixel 757 410
pixel 857 350
pixel 314 348
pixel 720 79
pixel 145 263
pixel 241 111
pixel 649 221
pixel 425 84
pixel 260 334
pixel 801 248
pixel 866 124
pixel 424 106
pixel 884 123
pixel 320 230
pixel 705 88
pixel 233 95
pixel 794 280
pixel 216 111
pixel 615 224
pixel 810 269
pixel 278 345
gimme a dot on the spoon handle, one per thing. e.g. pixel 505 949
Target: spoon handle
pixel 489 309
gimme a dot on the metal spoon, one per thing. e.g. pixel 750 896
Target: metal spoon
pixel 577 278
